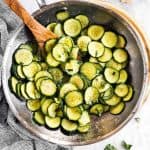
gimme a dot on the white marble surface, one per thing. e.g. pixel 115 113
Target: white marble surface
pixel 137 134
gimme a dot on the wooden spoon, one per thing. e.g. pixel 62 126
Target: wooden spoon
pixel 40 33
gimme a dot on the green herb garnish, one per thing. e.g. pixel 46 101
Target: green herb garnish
pixel 110 147
pixel 126 146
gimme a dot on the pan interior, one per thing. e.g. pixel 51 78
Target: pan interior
pixel 101 126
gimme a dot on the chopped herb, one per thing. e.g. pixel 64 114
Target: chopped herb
pixel 137 119
pixel 110 147
pixel 69 69
pixel 96 53
pixel 126 146
pixel 125 1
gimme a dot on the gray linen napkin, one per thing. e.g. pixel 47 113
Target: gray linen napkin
pixel 13 135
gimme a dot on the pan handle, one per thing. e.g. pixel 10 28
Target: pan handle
pixel 41 3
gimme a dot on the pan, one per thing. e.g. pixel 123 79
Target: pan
pixel 139 68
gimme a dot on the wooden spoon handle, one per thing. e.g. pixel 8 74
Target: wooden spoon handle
pixel 40 32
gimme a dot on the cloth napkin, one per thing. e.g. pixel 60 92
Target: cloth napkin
pixel 12 135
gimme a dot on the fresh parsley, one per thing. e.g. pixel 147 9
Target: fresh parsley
pixel 137 119
pixel 110 147
pixel 126 146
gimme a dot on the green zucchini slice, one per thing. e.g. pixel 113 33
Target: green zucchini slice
pixel 114 100
pixel 115 110
pixel 83 42
pixel 100 83
pixel 120 55
pixel 74 54
pixel 42 74
pixel 107 55
pixel 14 71
pixel 58 30
pixel 29 46
pixel 48 87
pixel 97 109
pixel 73 113
pixel 51 61
pixel 13 82
pixel 38 117
pixel 45 104
pixel 84 129
pixel 96 49
pixel 121 43
pixel 52 109
pixel 33 105
pixel 57 74
pixel 111 75
pixel 23 57
pixel 62 15
pixel 95 32
pixel 84 20
pixel 30 70
pixel 49 45
pixel 129 95
pixel 108 93
pixel 84 119
pixel 18 89
pixel 109 39
pixel 72 27
pixel 38 82
pixel 73 98
pixel 113 64
pixel 52 123
pixel 66 40
pixel 60 53
pixel 23 91
pixel 89 70
pixel 121 90
pixel 51 26
pixel 72 67
pixel 20 72
pixel 69 125
pixel 67 87
pixel 78 81
pixel 31 90
pixel 44 65
pixel 123 76
pixel 91 95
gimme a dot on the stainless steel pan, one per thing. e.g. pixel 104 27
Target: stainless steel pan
pixel 139 69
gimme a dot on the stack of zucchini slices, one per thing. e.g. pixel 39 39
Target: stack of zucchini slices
pixel 83 73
